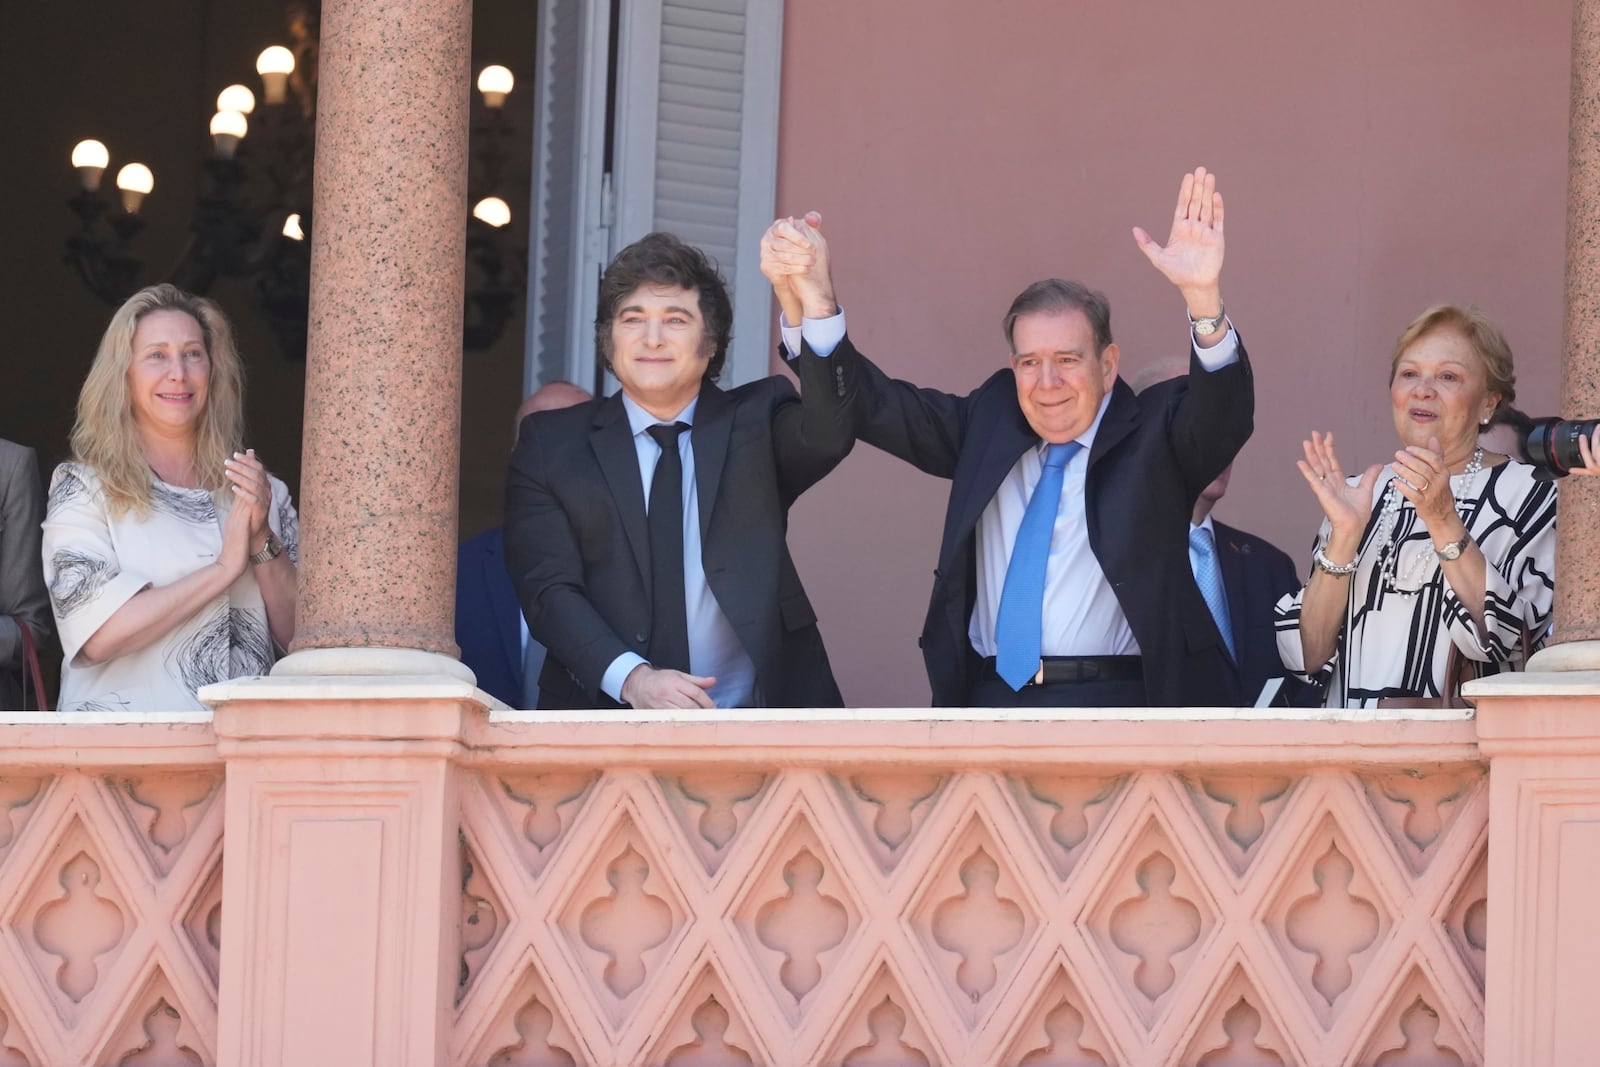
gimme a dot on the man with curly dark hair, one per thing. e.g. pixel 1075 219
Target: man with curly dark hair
pixel 645 531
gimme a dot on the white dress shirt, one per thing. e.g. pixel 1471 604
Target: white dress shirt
pixel 714 647
pixel 1082 616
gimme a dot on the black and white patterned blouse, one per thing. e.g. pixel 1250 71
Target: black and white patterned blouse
pixel 1402 616
pixel 94 564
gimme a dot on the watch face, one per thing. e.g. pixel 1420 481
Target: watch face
pixel 1205 327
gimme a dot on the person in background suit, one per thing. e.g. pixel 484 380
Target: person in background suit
pixel 645 532
pixel 1255 574
pixel 1247 576
pixel 22 593
pixel 1063 577
pixel 490 630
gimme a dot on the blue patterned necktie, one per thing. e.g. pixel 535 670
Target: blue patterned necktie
pixel 1208 576
pixel 1020 620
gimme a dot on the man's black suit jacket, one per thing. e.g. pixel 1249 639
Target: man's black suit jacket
pixel 1255 573
pixel 578 547
pixel 1152 455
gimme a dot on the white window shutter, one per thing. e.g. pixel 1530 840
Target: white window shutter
pixel 568 240
pixel 697 143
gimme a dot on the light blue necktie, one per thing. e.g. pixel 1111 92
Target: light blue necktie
pixel 1020 620
pixel 1208 576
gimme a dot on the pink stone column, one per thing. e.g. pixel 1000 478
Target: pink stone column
pixel 383 374
pixel 1577 610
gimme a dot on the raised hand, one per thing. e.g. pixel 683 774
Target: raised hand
pixel 1192 257
pixel 1346 506
pixel 794 258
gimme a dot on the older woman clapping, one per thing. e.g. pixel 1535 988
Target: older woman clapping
pixel 1447 546
pixel 168 550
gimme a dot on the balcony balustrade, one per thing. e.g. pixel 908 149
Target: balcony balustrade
pixel 412 878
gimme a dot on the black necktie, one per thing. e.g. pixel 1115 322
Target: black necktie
pixel 669 623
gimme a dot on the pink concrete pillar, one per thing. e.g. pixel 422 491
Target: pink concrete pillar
pixel 383 374
pixel 1577 607
pixel 342 886
pixel 1541 734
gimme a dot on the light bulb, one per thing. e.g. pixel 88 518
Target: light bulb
pixel 90 158
pixel 236 98
pixel 227 130
pixel 494 82
pixel 493 210
pixel 291 228
pixel 275 64
pixel 135 181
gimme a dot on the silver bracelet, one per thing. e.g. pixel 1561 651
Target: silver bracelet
pixel 1327 566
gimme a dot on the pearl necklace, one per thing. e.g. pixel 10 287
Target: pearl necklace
pixel 1383 536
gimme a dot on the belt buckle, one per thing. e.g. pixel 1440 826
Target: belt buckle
pixel 1038 676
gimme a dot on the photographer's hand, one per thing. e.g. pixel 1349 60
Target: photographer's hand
pixel 1590 448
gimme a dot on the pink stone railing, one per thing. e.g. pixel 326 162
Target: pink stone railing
pixel 414 881
pixel 111 883
pixel 964 894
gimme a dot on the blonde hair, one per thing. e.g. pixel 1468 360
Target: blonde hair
pixel 1485 338
pixel 105 437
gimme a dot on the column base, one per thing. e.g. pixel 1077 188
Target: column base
pixel 368 662
pixel 1569 656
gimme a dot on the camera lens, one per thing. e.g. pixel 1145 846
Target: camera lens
pixel 1553 443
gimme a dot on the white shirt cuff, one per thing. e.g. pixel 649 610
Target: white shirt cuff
pixel 1225 353
pixel 823 335
pixel 617 673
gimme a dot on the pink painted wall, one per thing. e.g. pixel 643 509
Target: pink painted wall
pixel 1376 158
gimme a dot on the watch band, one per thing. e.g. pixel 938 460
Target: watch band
pixel 269 551
pixel 1454 549
pixel 1209 325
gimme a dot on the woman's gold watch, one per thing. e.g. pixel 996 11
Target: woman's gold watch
pixel 269 551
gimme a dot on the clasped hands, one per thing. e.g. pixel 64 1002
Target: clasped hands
pixel 245 529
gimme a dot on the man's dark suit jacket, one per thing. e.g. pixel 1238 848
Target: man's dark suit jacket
pixel 1152 455
pixel 487 629
pixel 1255 573
pixel 578 546
pixel 22 592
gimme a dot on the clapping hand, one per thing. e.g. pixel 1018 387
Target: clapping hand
pixel 1421 477
pixel 1192 257
pixel 1346 506
pixel 246 528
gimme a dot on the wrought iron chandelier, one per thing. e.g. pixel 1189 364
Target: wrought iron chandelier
pixel 253 218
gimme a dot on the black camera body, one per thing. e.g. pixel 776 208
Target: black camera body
pixel 1551 444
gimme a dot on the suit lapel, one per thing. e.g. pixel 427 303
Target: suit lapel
pixel 1003 443
pixel 612 441
pixel 1121 418
pixel 713 425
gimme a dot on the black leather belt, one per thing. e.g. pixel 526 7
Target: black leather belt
pixel 1054 669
